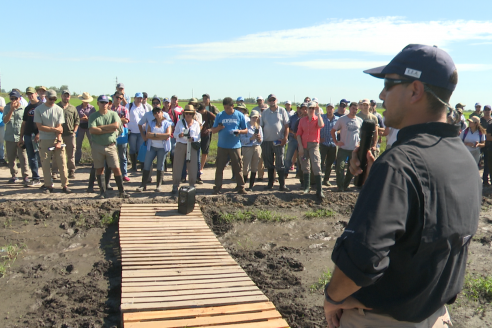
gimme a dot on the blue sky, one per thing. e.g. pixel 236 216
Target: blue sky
pixel 234 48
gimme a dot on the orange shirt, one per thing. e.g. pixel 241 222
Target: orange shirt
pixel 309 130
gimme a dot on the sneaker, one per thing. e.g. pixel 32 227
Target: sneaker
pixel 26 181
pixel 216 191
pixel 66 190
pixel 12 180
pixel 326 183
pixel 124 195
pixel 199 181
pixel 101 196
pixel 140 189
pixel 34 183
pixel 249 189
pixel 49 190
pixel 284 188
pixel 183 180
pixel 71 175
pixel 126 179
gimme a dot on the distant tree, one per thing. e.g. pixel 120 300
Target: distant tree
pixel 3 91
pixel 63 87
pixel 250 100
pixel 54 88
pixel 75 94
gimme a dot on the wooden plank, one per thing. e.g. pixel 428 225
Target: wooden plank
pixel 162 259
pixel 177 279
pixel 193 286
pixel 191 293
pixel 193 303
pixel 178 266
pixel 177 252
pixel 197 312
pixel 166 234
pixel 144 215
pixel 160 225
pixel 186 297
pixel 168 248
pixel 180 237
pixel 180 272
pixel 206 321
pixel 275 323
pixel 160 246
pixel 181 261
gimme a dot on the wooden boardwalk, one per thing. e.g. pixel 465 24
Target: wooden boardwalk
pixel 175 273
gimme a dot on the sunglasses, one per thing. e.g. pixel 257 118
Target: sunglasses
pixel 155 103
pixel 120 98
pixel 13 98
pixel 53 99
pixel 389 83
pixel 188 113
pixel 272 99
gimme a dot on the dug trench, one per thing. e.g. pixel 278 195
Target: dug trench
pixel 62 267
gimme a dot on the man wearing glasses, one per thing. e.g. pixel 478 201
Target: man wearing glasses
pixel 275 124
pixel 403 254
pixel 126 98
pixel 49 119
pixel 12 118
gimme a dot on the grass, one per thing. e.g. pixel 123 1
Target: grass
pixel 7 223
pixel 322 281
pixel 109 219
pixel 321 213
pixel 8 255
pixel 478 289
pixel 247 216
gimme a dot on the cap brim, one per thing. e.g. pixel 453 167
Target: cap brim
pixel 376 72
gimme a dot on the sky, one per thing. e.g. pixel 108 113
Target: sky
pixel 252 48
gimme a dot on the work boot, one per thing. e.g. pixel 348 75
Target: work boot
pixel 319 188
pixel 102 186
pixel 71 174
pixel 281 181
pixel 159 181
pixel 165 165
pixel 143 185
pixel 107 177
pixel 245 177
pixel 270 179
pixel 121 189
pixel 307 182
pixel 92 179
pixel 133 158
pixel 252 179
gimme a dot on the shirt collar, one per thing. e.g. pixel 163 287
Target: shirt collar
pixel 438 129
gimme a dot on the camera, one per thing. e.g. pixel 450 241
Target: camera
pixel 257 131
pixel 186 133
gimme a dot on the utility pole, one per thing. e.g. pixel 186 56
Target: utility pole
pixel 116 80
pixel 294 99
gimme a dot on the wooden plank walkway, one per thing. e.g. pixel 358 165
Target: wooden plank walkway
pixel 175 273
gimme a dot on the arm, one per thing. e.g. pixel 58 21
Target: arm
pixel 6 118
pixel 21 138
pixel 103 129
pixel 333 136
pixel 321 123
pixel 375 139
pixel 58 129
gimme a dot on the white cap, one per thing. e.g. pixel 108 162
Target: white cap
pixel 315 100
pixel 288 102
pixel 259 98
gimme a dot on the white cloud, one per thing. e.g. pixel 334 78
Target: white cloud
pixel 337 64
pixel 381 35
pixel 473 67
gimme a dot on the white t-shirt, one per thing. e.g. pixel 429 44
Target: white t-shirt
pixel 136 114
pixel 2 102
pixel 472 137
pixel 349 131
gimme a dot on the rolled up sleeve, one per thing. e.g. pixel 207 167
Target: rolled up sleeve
pixel 379 219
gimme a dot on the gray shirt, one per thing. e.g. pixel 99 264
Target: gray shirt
pixel 13 127
pixel 349 131
pixel 273 123
pixel 48 116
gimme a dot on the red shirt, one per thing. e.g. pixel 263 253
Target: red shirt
pixel 309 130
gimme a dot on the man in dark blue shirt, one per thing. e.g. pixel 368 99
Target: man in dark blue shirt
pixel 403 254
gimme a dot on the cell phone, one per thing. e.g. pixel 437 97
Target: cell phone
pixel 220 124
pixel 257 131
pixel 236 132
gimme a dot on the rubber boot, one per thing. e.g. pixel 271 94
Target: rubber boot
pixel 319 187
pixel 133 158
pixel 107 177
pixel 252 179
pixel 159 181
pixel 281 181
pixel 270 179
pixel 245 176
pixel 307 182
pixel 102 186
pixel 92 179
pixel 143 185
pixel 165 164
pixel 121 189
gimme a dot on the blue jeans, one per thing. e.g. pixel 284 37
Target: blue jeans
pixel 32 157
pixel 2 142
pixel 135 140
pixel 291 149
pixel 151 154
pixel 173 146
pixel 122 150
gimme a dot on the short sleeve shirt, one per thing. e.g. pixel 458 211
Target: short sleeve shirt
pixel 72 119
pixel 273 123
pixel 30 127
pixel 50 117
pixel 308 130
pixel 369 117
pixel 13 127
pixel 96 120
pixel 349 131
pixel 232 122
pixel 472 137
pixel 122 112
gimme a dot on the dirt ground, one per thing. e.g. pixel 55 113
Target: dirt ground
pixel 67 272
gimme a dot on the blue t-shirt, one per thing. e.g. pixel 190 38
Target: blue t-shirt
pixel 233 122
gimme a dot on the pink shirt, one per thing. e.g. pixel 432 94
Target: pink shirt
pixel 309 130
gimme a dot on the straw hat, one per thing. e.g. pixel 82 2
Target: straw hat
pixel 86 97
pixel 189 109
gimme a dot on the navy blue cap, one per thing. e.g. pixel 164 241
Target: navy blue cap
pixel 344 101
pixel 14 93
pixel 427 64
pixel 103 98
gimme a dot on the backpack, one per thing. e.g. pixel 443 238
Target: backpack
pixel 466 132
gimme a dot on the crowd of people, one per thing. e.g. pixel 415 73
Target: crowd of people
pixel 48 132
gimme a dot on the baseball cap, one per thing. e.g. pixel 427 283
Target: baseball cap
pixel 330 104
pixel 165 100
pixel 50 94
pixel 14 93
pixel 65 91
pixel 120 85
pixel 344 101
pixel 206 95
pixel 241 106
pixel 110 99
pixel 487 107
pixel 259 98
pixel 365 101
pixel 304 105
pixel 42 88
pixel 103 98
pixel 156 98
pixel 474 119
pixel 272 96
pixel 139 95
pixel 240 99
pixel 193 100
pixel 315 100
pixel 373 102
pixel 312 104
pixel 460 105
pixel 477 104
pixel 427 64
pixel 30 90
pixel 288 102
pixel 254 113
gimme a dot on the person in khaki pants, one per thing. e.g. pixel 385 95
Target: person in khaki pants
pixel 70 127
pixel 49 119
pixel 12 118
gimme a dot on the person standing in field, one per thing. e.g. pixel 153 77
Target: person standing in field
pixel 208 106
pixel 2 132
pixel 30 136
pixel 126 98
pixel 72 122
pixel 105 126
pixel 275 124
pixel 124 115
pixel 308 147
pixel 349 128
pixel 84 110
pixel 208 118
pixel 148 108
pixel 261 106
pixel 292 143
pixel 485 121
pixel 477 112
pixel 41 93
pixel 366 115
pixel 49 119
pixel 12 118
pixel 251 149
pixel 135 138
pixel 328 149
pixel 288 108
pixel 341 108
